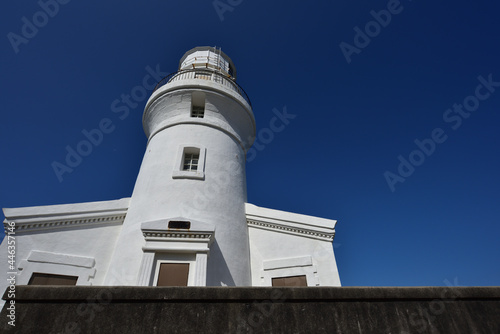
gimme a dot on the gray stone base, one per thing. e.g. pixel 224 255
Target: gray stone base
pixel 40 309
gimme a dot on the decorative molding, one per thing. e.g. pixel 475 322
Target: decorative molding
pixel 145 271
pixel 57 264
pixel 200 278
pixel 158 230
pixel 301 265
pixel 58 258
pixel 68 222
pixel 291 229
pixel 170 247
pixel 150 235
pixel 164 244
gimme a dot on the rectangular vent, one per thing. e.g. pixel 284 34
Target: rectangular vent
pixel 179 224
pixel 51 279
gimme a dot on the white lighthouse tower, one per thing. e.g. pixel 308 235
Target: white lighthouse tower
pixel 199 124
pixel 188 222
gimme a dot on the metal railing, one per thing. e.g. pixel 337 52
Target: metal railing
pixel 204 75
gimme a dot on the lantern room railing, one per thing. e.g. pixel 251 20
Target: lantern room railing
pixel 204 75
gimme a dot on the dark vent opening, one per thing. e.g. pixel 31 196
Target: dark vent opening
pixel 179 224
pixel 51 279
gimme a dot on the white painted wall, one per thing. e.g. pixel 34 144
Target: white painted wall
pixel 285 244
pixel 225 134
pixel 79 245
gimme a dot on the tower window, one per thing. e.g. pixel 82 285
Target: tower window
pixel 202 76
pixel 197 111
pixel 198 104
pixel 191 161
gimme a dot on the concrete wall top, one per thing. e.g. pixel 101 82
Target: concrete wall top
pixel 62 209
pixel 290 294
pixel 253 310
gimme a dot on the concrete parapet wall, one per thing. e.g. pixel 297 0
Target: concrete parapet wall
pixel 84 309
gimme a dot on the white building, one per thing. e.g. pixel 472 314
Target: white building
pixel 188 221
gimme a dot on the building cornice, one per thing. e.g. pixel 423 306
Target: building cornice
pixel 63 216
pixel 282 228
pixel 155 235
pixel 81 221
pixel 158 230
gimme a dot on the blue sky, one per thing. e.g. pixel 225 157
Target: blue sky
pixel 357 114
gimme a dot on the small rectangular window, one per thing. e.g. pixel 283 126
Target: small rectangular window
pixel 202 76
pixel 198 104
pixel 191 161
pixel 173 274
pixel 197 111
pixel 51 279
pixel 290 281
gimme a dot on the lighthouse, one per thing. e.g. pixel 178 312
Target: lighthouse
pixel 199 123
pixel 188 221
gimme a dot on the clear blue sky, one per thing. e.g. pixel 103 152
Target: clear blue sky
pixel 353 120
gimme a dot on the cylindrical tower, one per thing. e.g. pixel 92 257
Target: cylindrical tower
pixel 199 124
